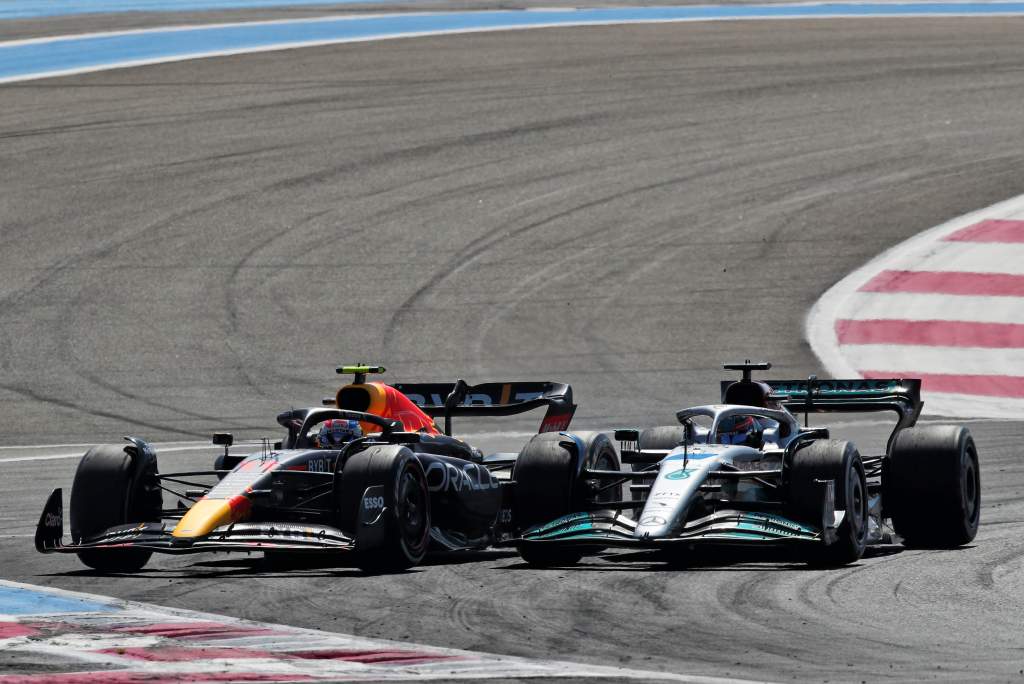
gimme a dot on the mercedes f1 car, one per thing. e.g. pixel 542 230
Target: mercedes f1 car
pixel 385 495
pixel 744 472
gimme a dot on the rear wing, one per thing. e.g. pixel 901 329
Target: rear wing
pixel 899 395
pixel 496 399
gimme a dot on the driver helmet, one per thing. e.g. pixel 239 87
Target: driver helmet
pixel 740 430
pixel 337 431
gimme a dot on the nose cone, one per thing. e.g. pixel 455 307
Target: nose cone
pixel 209 514
pixel 678 482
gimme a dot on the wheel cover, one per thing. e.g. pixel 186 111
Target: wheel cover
pixel 604 461
pixel 411 511
pixel 856 503
pixel 969 488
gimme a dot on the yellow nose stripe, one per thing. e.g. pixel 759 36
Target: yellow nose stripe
pixel 205 516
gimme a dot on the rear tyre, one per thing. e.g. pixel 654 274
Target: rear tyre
pixel 662 437
pixel 549 486
pixel 932 486
pixel 838 461
pixel 406 534
pixel 113 486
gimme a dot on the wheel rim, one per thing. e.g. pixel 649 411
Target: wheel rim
pixel 605 462
pixel 411 511
pixel 970 487
pixel 855 503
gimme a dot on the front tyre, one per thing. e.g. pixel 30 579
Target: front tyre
pixel 932 486
pixel 113 486
pixel 396 476
pixel 840 462
pixel 549 485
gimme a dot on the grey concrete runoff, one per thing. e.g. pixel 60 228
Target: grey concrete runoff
pixel 193 247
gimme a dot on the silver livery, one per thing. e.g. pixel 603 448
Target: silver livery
pixel 745 472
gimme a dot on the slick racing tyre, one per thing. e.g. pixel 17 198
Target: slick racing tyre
pixel 400 539
pixel 662 437
pixel 112 487
pixel 840 462
pixel 549 485
pixel 931 486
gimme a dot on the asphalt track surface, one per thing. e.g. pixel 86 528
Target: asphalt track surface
pixel 192 247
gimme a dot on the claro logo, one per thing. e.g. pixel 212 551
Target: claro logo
pixel 53 520
pixel 447 477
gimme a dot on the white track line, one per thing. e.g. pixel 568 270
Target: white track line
pixel 944 360
pixel 80 453
pixel 91 444
pixel 977 257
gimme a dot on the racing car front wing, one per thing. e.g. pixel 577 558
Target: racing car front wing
pixel 157 537
pixel 722 528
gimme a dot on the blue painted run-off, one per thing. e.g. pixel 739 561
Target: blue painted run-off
pixel 29 9
pixel 97 52
pixel 24 601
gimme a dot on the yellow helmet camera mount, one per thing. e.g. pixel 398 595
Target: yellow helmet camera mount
pixel 360 372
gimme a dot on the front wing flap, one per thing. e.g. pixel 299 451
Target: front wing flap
pixel 157 537
pixel 726 528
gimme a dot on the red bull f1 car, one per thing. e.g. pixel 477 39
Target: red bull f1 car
pixel 746 473
pixel 394 487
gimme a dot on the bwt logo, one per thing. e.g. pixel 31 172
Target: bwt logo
pixel 447 477
pixel 556 424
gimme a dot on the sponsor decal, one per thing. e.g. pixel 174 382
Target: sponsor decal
pixel 505 516
pixel 54 520
pixel 320 465
pixel 773 523
pixel 561 521
pixel 681 474
pixel 373 503
pixel 556 424
pixel 578 527
pixel 448 477
pixel 652 520
pixel 838 387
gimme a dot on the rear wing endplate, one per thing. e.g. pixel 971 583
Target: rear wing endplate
pixel 497 399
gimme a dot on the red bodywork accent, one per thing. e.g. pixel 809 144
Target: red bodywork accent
pixel 401 407
pixel 240 507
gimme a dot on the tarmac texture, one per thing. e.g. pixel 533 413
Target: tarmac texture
pixel 193 247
